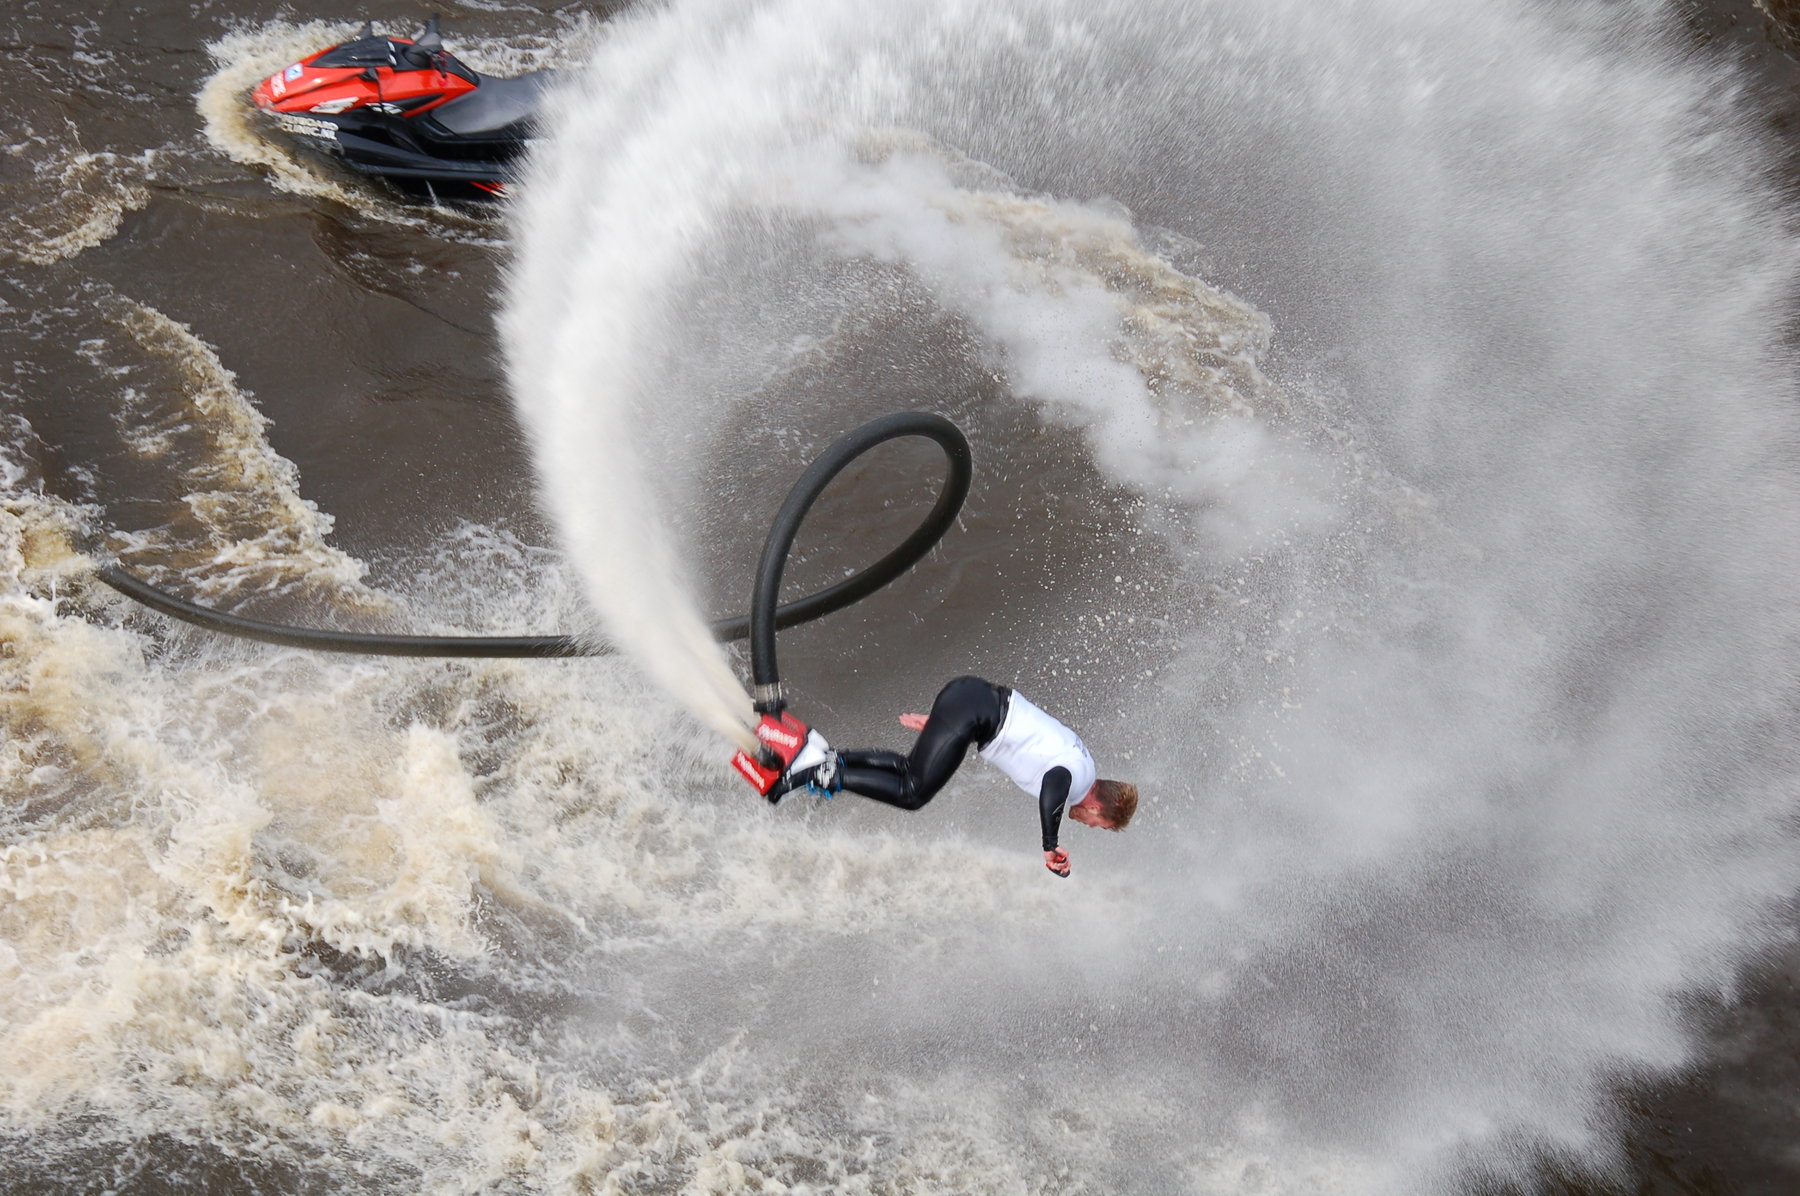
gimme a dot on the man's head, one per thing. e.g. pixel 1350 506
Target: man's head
pixel 1109 805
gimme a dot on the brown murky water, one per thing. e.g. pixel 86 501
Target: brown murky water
pixel 278 923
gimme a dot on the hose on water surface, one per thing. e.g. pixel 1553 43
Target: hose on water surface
pixel 767 615
pixel 365 642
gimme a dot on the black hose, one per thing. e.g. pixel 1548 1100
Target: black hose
pixel 766 617
pixel 787 524
pixel 365 642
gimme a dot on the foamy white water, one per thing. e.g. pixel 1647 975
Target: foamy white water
pixel 366 922
pixel 1438 346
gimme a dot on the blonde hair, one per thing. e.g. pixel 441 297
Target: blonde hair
pixel 1117 801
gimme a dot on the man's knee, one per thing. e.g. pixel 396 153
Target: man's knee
pixel 912 800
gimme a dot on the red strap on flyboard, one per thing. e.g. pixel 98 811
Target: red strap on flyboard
pixel 781 736
pixel 761 779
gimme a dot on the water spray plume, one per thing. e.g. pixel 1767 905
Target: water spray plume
pixel 1442 345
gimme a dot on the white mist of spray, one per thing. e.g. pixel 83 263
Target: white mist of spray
pixel 587 312
pixel 1476 761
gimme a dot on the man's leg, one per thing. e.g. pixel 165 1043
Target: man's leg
pixel 966 713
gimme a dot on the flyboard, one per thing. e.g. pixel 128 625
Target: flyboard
pixel 780 734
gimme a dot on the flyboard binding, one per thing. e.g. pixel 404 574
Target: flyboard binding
pixel 781 736
pixel 406 111
pixel 789 755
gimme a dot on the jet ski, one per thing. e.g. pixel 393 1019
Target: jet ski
pixel 406 111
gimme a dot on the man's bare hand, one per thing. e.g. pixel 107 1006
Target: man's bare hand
pixel 1057 861
pixel 913 722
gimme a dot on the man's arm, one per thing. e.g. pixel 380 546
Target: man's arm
pixel 1053 795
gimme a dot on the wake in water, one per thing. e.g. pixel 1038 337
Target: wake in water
pixel 1474 754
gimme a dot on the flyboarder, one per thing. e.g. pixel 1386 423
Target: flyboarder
pixel 1040 755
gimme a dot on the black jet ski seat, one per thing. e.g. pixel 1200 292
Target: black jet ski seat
pixel 496 104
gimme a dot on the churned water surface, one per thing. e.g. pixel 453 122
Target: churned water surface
pixel 1385 438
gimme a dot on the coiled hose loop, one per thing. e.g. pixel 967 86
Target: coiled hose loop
pixel 766 617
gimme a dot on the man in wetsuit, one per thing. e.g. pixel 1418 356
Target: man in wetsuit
pixel 1039 754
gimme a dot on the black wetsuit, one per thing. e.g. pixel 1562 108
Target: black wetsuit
pixel 967 713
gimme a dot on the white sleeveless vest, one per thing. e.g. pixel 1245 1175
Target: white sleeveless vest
pixel 1031 743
